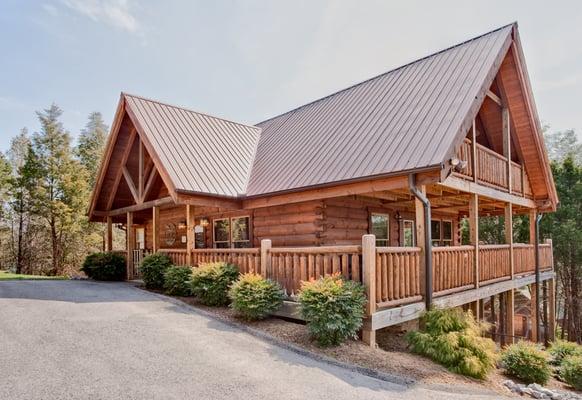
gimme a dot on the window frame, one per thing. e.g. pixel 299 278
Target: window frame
pixel 216 242
pixel 413 228
pixel 371 230
pixel 231 244
pixel 247 241
pixel 444 241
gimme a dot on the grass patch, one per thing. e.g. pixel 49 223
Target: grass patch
pixel 9 276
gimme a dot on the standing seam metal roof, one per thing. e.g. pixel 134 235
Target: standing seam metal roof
pixel 405 119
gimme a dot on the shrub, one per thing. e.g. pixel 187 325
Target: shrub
pixel 527 362
pixel 454 339
pixel 254 297
pixel 153 268
pixel 333 308
pixel 571 371
pixel 210 282
pixel 104 266
pixel 561 349
pixel 177 281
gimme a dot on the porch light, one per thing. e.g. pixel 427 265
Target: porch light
pixel 458 165
pixel 182 224
pixel 204 222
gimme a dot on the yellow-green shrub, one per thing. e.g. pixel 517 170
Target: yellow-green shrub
pixel 561 349
pixel 177 281
pixel 254 297
pixel 333 308
pixel 527 362
pixel 210 282
pixel 453 338
pixel 571 371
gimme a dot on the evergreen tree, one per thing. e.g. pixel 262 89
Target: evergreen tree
pixel 91 145
pixel 58 186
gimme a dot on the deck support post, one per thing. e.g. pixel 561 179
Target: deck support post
pixel 509 323
pixel 474 233
pixel 109 234
pixel 509 235
pixel 475 310
pixel 493 318
pixel 534 316
pixel 189 233
pixel 369 275
pixel 155 228
pixel 265 257
pixel 130 244
pixel 551 310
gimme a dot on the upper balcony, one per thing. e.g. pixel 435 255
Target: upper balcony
pixel 491 170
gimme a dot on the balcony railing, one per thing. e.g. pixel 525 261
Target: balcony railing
pixel 492 169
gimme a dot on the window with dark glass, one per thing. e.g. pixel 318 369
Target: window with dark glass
pixel 381 228
pixel 435 232
pixel 240 232
pixel 221 228
pixel 447 233
pixel 199 237
pixel 408 233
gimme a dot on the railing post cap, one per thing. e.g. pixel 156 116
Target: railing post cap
pixel 266 242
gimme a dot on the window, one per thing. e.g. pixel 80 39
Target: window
pixel 381 228
pixel 240 232
pixel 435 232
pixel 140 238
pixel 233 232
pixel 447 233
pixel 199 237
pixel 221 233
pixel 408 233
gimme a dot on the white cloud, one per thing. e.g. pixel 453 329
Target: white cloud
pixel 113 12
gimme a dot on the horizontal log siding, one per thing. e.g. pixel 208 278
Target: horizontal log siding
pixel 453 267
pixel 290 266
pixel 397 275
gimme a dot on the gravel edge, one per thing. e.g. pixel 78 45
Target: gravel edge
pixel 372 373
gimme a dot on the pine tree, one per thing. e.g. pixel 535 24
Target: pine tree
pixel 91 145
pixel 58 186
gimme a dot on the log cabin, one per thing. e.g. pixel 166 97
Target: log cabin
pixel 372 182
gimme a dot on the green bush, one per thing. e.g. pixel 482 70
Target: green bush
pixel 177 281
pixel 571 371
pixel 210 282
pixel 104 266
pixel 153 268
pixel 254 297
pixel 527 362
pixel 333 308
pixel 561 349
pixel 454 339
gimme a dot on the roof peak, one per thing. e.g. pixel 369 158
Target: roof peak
pixel 512 24
pixel 123 94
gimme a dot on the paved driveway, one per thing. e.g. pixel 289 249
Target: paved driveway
pixel 86 340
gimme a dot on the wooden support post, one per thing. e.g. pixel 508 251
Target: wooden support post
pixel 509 312
pixel 420 240
pixel 532 226
pixel 493 318
pixel 266 258
pixel 189 233
pixel 474 233
pixel 507 144
pixel 474 161
pixel 369 275
pixel 474 307
pixel 481 309
pixel 109 235
pixel 502 320
pixel 509 235
pixel 130 238
pixel 551 310
pixel 534 314
pixel 155 228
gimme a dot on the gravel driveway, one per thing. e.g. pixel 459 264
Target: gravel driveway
pixel 87 340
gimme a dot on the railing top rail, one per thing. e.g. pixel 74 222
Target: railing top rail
pixel 172 250
pixel 393 249
pixel 523 245
pixel 493 246
pixel 453 248
pixel 491 152
pixel 316 250
pixel 252 250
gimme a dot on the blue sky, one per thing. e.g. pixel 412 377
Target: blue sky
pixel 250 60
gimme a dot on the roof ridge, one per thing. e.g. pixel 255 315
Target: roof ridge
pixel 389 71
pixel 189 109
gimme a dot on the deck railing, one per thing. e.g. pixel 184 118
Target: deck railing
pixel 453 268
pixel 248 260
pixel 492 169
pixel 178 256
pixel 494 263
pixel 397 275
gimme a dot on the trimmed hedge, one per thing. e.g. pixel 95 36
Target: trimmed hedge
pixel 177 281
pixel 104 266
pixel 454 339
pixel 333 308
pixel 210 282
pixel 254 297
pixel 153 268
pixel 527 362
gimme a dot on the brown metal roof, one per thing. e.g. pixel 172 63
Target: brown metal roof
pixel 200 153
pixel 405 119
